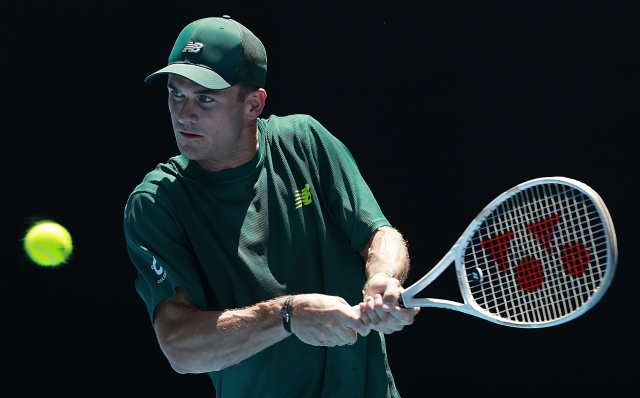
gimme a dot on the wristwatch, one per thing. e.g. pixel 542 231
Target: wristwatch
pixel 286 312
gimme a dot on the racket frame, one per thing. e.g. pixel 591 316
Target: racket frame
pixel 456 253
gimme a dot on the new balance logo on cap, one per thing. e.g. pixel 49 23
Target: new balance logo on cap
pixel 192 47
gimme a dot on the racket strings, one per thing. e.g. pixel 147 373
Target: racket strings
pixel 541 255
pixel 556 292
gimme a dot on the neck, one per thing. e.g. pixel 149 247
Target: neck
pixel 238 155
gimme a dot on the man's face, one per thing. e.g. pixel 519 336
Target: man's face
pixel 208 124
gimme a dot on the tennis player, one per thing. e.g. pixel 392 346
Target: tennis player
pixel 252 245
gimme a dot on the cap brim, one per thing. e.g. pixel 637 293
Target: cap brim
pixel 197 74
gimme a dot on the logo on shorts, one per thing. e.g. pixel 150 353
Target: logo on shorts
pixel 192 47
pixel 303 196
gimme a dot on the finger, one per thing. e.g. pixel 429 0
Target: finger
pixel 392 321
pixel 390 299
pixel 354 322
pixel 329 338
pixel 377 316
pixel 336 336
pixel 405 315
pixel 370 311
pixel 380 311
pixel 364 317
pixel 346 336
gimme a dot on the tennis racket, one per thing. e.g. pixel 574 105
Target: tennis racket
pixel 540 254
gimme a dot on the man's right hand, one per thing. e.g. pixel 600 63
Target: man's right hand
pixel 325 321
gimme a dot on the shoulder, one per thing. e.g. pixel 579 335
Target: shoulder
pixel 298 128
pixel 157 186
pixel 162 176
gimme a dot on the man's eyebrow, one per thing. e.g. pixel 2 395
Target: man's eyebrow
pixel 204 91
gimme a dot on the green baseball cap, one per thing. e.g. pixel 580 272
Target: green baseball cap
pixel 217 53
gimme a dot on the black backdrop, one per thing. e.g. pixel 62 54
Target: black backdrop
pixel 443 104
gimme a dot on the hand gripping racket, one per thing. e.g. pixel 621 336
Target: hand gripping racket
pixel 540 254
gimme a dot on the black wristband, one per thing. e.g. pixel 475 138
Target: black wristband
pixel 286 312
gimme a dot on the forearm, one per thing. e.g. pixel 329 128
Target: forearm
pixel 198 341
pixel 386 251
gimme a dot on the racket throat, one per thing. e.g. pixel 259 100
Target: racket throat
pixel 410 302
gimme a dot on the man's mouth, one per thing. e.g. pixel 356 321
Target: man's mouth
pixel 189 135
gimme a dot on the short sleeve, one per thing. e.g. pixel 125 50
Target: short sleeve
pixel 348 196
pixel 158 247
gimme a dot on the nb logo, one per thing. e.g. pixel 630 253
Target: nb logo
pixel 303 196
pixel 192 47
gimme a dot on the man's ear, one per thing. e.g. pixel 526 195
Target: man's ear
pixel 255 103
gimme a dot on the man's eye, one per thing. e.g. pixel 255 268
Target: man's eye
pixel 204 98
pixel 176 93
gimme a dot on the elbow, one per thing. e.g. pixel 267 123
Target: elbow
pixel 184 368
pixel 183 360
pixel 179 367
pixel 179 357
pixel 183 364
pixel 178 360
pixel 183 342
pixel 179 336
pixel 173 350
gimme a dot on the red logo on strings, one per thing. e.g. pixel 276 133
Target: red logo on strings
pixel 543 231
pixel 529 272
pixel 499 248
pixel 575 258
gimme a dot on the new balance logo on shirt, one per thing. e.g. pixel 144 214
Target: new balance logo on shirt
pixel 192 47
pixel 303 196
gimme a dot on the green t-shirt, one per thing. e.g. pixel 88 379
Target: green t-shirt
pixel 290 221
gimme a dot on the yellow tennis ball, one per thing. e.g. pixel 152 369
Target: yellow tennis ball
pixel 48 244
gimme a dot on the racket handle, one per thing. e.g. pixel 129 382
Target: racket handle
pixel 401 302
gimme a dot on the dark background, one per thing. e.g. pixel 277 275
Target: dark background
pixel 443 104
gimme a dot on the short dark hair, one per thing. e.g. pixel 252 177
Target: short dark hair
pixel 244 89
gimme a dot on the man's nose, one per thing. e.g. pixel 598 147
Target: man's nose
pixel 187 112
